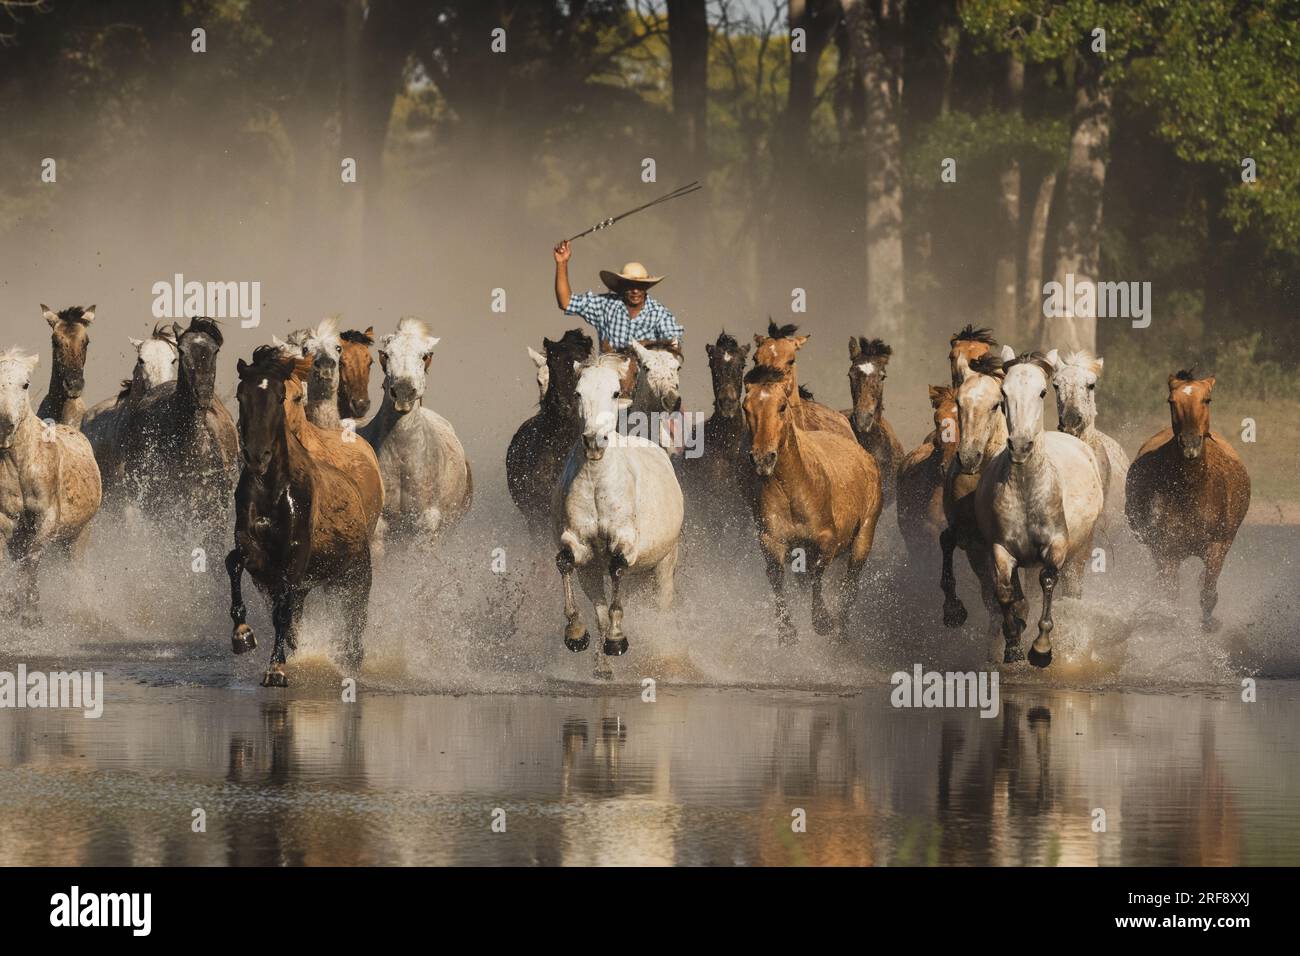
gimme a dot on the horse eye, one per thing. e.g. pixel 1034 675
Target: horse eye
pixel 1042 393
pixel 1091 386
pixel 27 385
pixel 1207 401
pixel 616 394
pixel 338 349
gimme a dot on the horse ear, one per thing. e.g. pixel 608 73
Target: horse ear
pixel 240 366
pixel 538 358
pixel 1008 353
pixel 1099 363
pixel 135 343
pixel 623 403
pixel 49 316
pixel 433 342
pixel 758 339
pixel 640 350
pixel 1209 382
pixel 854 349
pixel 177 331
pixel 936 396
pixel 709 349
pixel 799 340
pixel 369 332
pixel 1054 359
pixel 744 350
pixel 88 315
pixel 577 367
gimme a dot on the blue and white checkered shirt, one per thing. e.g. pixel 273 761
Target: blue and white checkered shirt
pixel 607 313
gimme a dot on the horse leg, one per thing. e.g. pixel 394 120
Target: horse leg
pixel 357 596
pixel 1054 555
pixel 1076 566
pixel 821 617
pixel 615 642
pixel 954 612
pixel 242 640
pixel 1004 566
pixel 26 553
pixel 285 602
pixel 1215 554
pixel 378 537
pixel 775 552
pixel 664 573
pixel 575 632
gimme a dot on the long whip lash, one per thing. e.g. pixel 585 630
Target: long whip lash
pixel 606 223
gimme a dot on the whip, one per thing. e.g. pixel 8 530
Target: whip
pixel 606 223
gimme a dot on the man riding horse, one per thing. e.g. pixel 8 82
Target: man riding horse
pixel 622 315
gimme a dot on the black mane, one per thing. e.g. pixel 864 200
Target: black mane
pixel 972 334
pixel 775 331
pixel 73 313
pixel 727 342
pixel 1186 374
pixel 352 335
pixel 873 348
pixel 987 364
pixel 764 375
pixel 209 327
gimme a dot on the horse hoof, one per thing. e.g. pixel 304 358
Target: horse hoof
pixel 274 678
pixel 954 616
pixel 615 648
pixel 1038 658
pixel 578 645
pixel 1012 654
pixel 243 641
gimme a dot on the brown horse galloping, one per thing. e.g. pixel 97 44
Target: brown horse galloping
pixel 354 373
pixel 1187 491
pixel 921 477
pixel 816 489
pixel 299 523
pixel 777 351
pixel 867 361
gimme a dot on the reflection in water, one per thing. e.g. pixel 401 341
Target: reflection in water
pixel 702 776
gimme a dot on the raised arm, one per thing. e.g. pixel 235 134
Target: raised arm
pixel 562 292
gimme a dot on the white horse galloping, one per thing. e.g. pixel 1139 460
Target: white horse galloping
pixel 49 482
pixel 1075 380
pixel 618 510
pixel 427 480
pixel 1036 504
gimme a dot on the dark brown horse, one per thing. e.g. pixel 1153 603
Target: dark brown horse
pixel 868 359
pixel 1187 491
pixel 778 351
pixel 713 481
pixel 921 477
pixel 300 523
pixel 62 403
pixel 538 449
pixel 354 373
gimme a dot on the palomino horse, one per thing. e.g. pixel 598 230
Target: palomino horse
pixel 1188 492
pixel 156 362
pixel 965 347
pixel 543 373
pixel 538 449
pixel 867 361
pixel 777 351
pixel 619 511
pixel 179 446
pixel 1074 378
pixel 299 521
pixel 49 484
pixel 717 475
pixel 62 403
pixel 981 436
pixel 817 490
pixel 427 480
pixel 355 363
pixel 921 477
pixel 1036 505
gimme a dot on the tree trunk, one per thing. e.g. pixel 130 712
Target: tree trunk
pixel 1078 250
pixel 688 44
pixel 1005 286
pixel 1035 246
pixel 876 39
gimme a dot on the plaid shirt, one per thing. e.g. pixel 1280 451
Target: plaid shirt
pixel 606 312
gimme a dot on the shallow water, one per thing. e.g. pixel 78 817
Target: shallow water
pixel 468 703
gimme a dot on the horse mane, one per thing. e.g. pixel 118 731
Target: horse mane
pixel 1186 374
pixel 727 342
pixel 73 313
pixel 326 328
pixel 665 345
pixel 1030 358
pixel 873 349
pixel 207 327
pixel 942 393
pixel 764 375
pixel 1082 359
pixel 805 393
pixel 270 362
pixel 125 389
pixel 987 364
pixel 164 333
pixel 412 325
pixel 359 338
pixel 972 334
pixel 775 331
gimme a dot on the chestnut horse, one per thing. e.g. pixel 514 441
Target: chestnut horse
pixel 921 476
pixel 1187 491
pixel 867 361
pixel 817 490
pixel 777 351
pixel 299 521
pixel 62 403
pixel 355 363
pixel 965 347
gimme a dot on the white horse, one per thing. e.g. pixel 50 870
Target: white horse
pixel 1036 505
pixel 1075 380
pixel 49 483
pixel 658 388
pixel 619 510
pixel 324 347
pixel 543 373
pixel 427 480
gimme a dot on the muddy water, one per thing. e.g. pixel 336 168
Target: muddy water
pixel 469 704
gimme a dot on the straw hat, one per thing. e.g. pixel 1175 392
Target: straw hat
pixel 633 274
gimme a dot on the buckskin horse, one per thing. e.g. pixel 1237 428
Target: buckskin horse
pixel 777 351
pixel 1188 492
pixel 62 403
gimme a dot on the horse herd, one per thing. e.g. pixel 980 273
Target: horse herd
pixel 315 495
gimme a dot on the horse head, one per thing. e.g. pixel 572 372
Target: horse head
pixel 198 347
pixel 1189 410
pixel 778 349
pixel 564 358
pixel 1075 382
pixel 15 383
pixel 325 349
pixel 767 413
pixel 261 397
pixel 661 367
pixel 979 410
pixel 1024 386
pixel 868 359
pixel 404 356
pixel 600 398
pixel 944 402
pixel 965 347
pixel 727 368
pixel 70 341
pixel 355 363
pixel 156 358
pixel 543 373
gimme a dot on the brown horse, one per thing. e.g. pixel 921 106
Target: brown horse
pixel 816 490
pixel 299 522
pixel 1187 491
pixel 965 347
pixel 921 478
pixel 62 403
pixel 716 476
pixel 354 373
pixel 777 351
pixel 867 361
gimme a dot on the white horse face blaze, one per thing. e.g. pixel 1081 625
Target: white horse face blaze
pixel 979 404
pixel 1022 391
